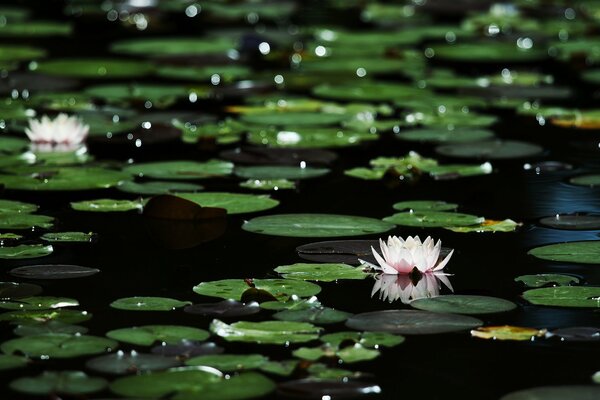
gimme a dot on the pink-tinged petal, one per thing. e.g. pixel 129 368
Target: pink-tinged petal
pixel 385 251
pixel 442 264
pixel 387 269
pixel 434 255
pixel 420 259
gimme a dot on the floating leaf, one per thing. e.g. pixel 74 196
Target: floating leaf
pixel 234 203
pixel 486 51
pixel 586 180
pixel 507 225
pixel 367 339
pixel 266 332
pixel 587 252
pixel 316 225
pixel 53 271
pixel 149 334
pixel 122 363
pixel 565 296
pixel 68 237
pixel 62 178
pixel 540 280
pixel 37 303
pixel 49 327
pixel 17 290
pixel 158 187
pixel 45 316
pixel 25 221
pixel 57 345
pixel 441 135
pixel 507 332
pixel 173 46
pixel 464 304
pixel 229 362
pixel 336 388
pixel 571 392
pixel 268 184
pixel 148 304
pixel 433 219
pixel 321 272
pixel 224 309
pixel 572 222
pixel 107 205
pixel 577 333
pixel 425 205
pixel 280 289
pixel 279 172
pixel 10 207
pixel 180 169
pixel 94 68
pixel 308 138
pixel 64 382
pixel 12 362
pixel 314 315
pixel 490 150
pixel 24 251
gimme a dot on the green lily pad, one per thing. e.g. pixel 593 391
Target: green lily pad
pixel 8 207
pixel 35 29
pixel 540 280
pixel 281 289
pixel 25 221
pixel 445 136
pixel 68 237
pixel 366 339
pixel 20 53
pixel 193 383
pixel 229 362
pixel 64 382
pixel 148 304
pixel 266 332
pixel 50 327
pixel 122 363
pixel 565 296
pixel 507 225
pixel 299 119
pixel 464 304
pixel 488 52
pixel 571 392
pixel 57 345
pixel 158 187
pixel 158 95
pixel 62 178
pixel 493 150
pixel 10 236
pixel 97 68
pixel 10 145
pixel 38 303
pixel 234 203
pixel 224 73
pixel 321 272
pixel 425 205
pixel 586 180
pixel 279 172
pixel 173 46
pixel 314 315
pixel 281 368
pixel 149 334
pixel 268 184
pixel 12 362
pixel 181 169
pixel 433 219
pixel 367 91
pixel 25 251
pixel 349 354
pixel 14 290
pixel 316 225
pixel 291 304
pixel 107 205
pixel 45 316
pixel 309 137
pixel 587 252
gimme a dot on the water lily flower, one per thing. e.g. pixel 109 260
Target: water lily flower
pixel 399 256
pixel 63 133
pixel 405 288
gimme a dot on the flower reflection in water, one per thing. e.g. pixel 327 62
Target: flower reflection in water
pixel 408 287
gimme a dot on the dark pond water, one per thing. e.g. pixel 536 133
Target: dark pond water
pixel 136 256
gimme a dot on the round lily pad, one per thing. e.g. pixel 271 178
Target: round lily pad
pixel 148 304
pixel 309 138
pixel 224 309
pixel 180 169
pixel 17 290
pixel 234 203
pixel 321 272
pixel 107 205
pixel 224 73
pixel 565 296
pixel 45 316
pixel 572 222
pixel 299 119
pixel 25 221
pixel 229 362
pixel 441 135
pixel 18 29
pixel 10 144
pixel 587 252
pixel 266 332
pixel 24 251
pixel 540 280
pixel 62 178
pixel 571 392
pixel 577 333
pixel 279 172
pixel 186 349
pixel 367 91
pixel 12 362
pixel 149 334
pixel 315 315
pixel 49 327
pixel 68 237
pixel 489 52
pixel 586 180
pixel 66 382
pixel 316 225
pixel 338 251
pixel 94 68
pixel 464 304
pixel 278 156
pixel 121 363
pixel 319 388
pixel 280 289
pixel 53 271
pixel 425 205
pixel 158 187
pixel 492 150
pixel 20 53
pixel 57 345
pixel 411 322
pixel 173 46
pixel 431 219
pixel 38 303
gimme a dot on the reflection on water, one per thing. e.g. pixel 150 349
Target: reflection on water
pixel 392 287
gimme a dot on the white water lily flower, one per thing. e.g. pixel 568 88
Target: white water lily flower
pixel 401 256
pixel 61 133
pixel 402 287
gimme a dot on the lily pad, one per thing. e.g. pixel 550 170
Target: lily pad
pixel 316 225
pixel 411 322
pixel 68 237
pixel 432 219
pixel 173 46
pixel 491 52
pixel 121 363
pixel 58 345
pixel 308 138
pixel 149 334
pixel 314 315
pixel 321 272
pixel 53 271
pixel 24 251
pixel 280 289
pixel 64 382
pixel 366 339
pixel 18 290
pixel 577 333
pixel 572 392
pixel 234 203
pixel 318 388
pixel 49 327
pixel 35 29
pixel 464 304
pixel 540 280
pixel 507 332
pixel 186 349
pixel 148 304
pixel 25 221
pixel 586 180
pixel 367 91
pixel 491 150
pixel 229 362
pixel 180 169
pixel 11 207
pixel 107 205
pixel 12 362
pixel 94 68
pixel 565 296
pixel 338 251
pixel 279 172
pixel 489 225
pixel 299 119
pixel 266 332
pixel 587 252
pixel 45 316
pixel 224 309
pixel 441 135
pixel 62 178
pixel 268 184
pixel 425 205
pixel 158 187
pixel 572 222
pixel 38 303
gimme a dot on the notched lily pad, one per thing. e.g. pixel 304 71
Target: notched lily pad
pixel 586 252
pixel 68 237
pixel 121 363
pixel 139 303
pixel 338 251
pixel 278 289
pixel 25 251
pixel 170 207
pixel 507 332
pixel 266 332
pixel 565 296
pixel 107 205
pixel 541 280
pixel 64 382
pixel 149 334
pixel 321 272
pixel 53 271
pixel 464 304
pixel 224 309
pixel 58 345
